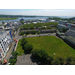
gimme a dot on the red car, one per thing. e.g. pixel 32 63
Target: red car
pixel 16 41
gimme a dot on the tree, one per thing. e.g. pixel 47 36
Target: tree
pixel 12 61
pixel 33 32
pixel 59 29
pixel 49 60
pixel 55 62
pixel 14 54
pixel 31 27
pixel 48 27
pixel 43 28
pixel 61 59
pixel 23 42
pixel 27 48
pixel 41 55
pixel 4 26
pixel 38 32
pixel 27 32
pixel 68 60
pixel 63 29
pixel 21 33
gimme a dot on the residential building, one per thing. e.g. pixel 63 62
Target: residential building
pixel 48 30
pixel 61 26
pixel 5 40
pixel 62 22
pixel 0 23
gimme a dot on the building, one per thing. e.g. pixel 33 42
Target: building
pixel 48 30
pixel 61 26
pixel 70 41
pixel 30 30
pixel 62 22
pixel 0 23
pixel 70 33
pixel 5 41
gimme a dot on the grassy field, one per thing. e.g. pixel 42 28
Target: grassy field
pixel 51 44
pixel 8 18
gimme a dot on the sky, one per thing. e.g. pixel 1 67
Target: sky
pixel 39 12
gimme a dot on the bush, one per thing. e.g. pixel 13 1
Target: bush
pixel 27 48
pixel 12 61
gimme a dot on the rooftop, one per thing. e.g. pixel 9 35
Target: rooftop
pixel 70 38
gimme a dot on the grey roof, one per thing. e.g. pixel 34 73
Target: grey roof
pixel 48 29
pixel 30 30
pixel 70 38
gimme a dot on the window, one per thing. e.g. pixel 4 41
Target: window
pixel 0 41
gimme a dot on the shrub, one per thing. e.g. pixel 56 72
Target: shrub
pixel 27 48
pixel 14 54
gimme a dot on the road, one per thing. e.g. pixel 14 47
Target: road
pixel 12 46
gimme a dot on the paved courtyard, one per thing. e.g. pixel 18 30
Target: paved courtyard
pixel 25 60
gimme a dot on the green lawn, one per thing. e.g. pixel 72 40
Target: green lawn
pixel 52 45
pixel 19 48
pixel 8 18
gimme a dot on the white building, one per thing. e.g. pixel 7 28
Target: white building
pixel 5 41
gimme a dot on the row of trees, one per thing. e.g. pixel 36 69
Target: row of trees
pixel 31 26
pixel 27 32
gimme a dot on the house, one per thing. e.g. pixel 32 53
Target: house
pixel 29 30
pixel 5 41
pixel 48 30
pixel 61 26
pixel 0 23
pixel 62 22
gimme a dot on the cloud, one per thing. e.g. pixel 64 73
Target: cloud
pixel 41 12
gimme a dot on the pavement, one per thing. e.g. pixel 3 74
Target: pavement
pixel 25 60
